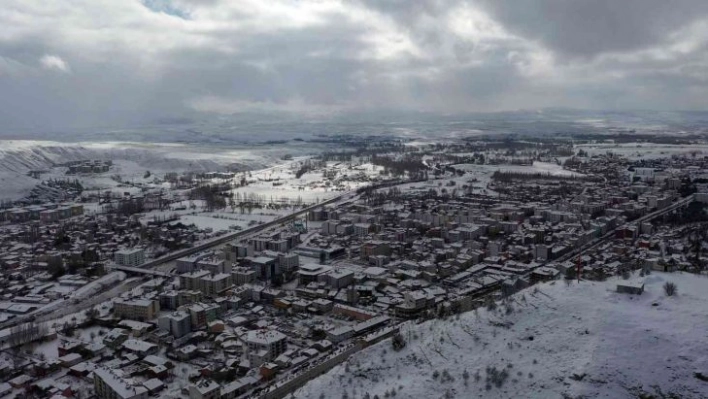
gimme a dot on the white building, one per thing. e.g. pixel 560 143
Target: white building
pixel 109 384
pixel 645 174
pixel 177 323
pixel 213 285
pixel 206 282
pixel 362 229
pixel 263 346
pixel 130 257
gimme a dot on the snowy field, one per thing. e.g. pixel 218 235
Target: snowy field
pixel 478 181
pixel 276 189
pixel 131 160
pixel 537 167
pixel 552 341
pixel 479 176
pixel 226 219
pixel 279 183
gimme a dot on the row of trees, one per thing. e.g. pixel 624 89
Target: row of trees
pixel 219 196
pixel 509 176
pixel 26 332
pixel 212 195
pixel 400 166
pixel 337 156
pixel 308 166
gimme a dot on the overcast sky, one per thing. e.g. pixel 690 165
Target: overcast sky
pixel 114 62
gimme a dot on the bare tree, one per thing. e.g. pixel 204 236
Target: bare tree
pixel 26 332
pixel 670 288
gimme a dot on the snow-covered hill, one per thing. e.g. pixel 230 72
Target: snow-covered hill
pixel 17 158
pixel 21 156
pixel 550 341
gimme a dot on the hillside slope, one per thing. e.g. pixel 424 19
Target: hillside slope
pixel 17 158
pixel 553 341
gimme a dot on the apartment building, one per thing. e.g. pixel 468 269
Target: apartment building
pixel 130 257
pixel 136 309
pixel 263 345
pixel 109 384
pixel 178 323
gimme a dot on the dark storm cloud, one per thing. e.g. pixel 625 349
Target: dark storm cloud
pixel 589 28
pixel 89 62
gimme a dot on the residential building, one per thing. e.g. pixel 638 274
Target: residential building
pixel 178 323
pixel 136 309
pixel 109 384
pixel 130 257
pixel 263 346
pixel 204 389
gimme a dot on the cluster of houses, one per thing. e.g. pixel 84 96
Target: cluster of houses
pixel 46 213
pixel 42 263
pixel 272 305
pixel 90 166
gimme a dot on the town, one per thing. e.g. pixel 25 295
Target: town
pixel 252 283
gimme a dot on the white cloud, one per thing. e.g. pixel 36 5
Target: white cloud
pixel 171 57
pixel 295 106
pixel 54 63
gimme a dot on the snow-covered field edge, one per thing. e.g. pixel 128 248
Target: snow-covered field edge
pixel 554 340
